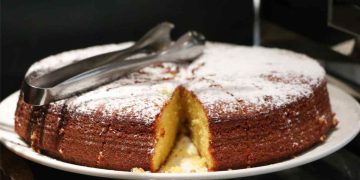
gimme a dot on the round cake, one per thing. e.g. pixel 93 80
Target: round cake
pixel 242 106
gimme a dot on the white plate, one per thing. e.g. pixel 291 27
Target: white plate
pixel 346 108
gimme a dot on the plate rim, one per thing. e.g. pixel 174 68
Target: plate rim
pixel 92 171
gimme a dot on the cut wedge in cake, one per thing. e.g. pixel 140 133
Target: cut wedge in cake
pixel 183 107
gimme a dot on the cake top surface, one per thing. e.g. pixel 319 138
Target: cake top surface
pixel 225 78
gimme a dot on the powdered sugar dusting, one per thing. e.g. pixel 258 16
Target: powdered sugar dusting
pixel 62 59
pixel 259 77
pixel 227 79
pixel 142 102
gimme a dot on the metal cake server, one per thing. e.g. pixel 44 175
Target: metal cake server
pixel 155 46
pixel 156 39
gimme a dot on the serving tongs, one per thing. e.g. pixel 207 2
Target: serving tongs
pixel 154 47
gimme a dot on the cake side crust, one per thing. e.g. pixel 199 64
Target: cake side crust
pixel 271 136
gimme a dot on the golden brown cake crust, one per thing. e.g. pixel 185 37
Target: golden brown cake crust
pixel 253 139
pixel 90 140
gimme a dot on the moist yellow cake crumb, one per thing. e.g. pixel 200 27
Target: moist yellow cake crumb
pixel 184 158
pixel 137 170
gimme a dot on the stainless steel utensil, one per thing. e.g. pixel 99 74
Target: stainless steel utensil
pixel 156 39
pixel 75 78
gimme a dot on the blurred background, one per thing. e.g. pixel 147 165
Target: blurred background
pixel 324 29
pixel 32 30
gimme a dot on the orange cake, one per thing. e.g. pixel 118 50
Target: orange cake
pixel 243 106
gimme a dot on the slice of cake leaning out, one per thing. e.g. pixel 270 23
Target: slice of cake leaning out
pixel 243 107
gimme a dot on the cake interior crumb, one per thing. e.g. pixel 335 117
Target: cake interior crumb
pixel 184 158
pixel 137 170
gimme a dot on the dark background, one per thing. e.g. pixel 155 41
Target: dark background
pixel 32 30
